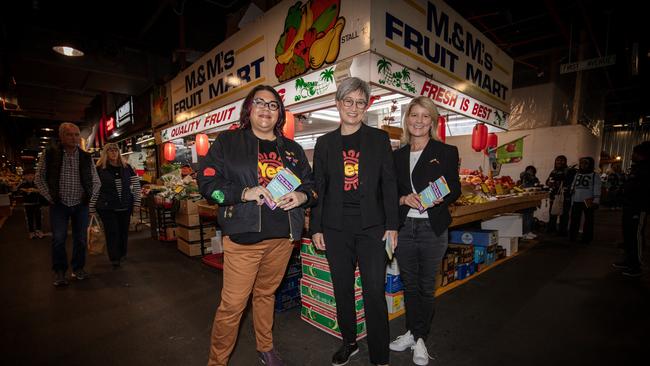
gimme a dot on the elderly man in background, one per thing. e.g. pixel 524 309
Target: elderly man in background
pixel 67 178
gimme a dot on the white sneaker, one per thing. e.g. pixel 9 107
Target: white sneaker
pixel 420 355
pixel 528 236
pixel 403 342
pixel 532 234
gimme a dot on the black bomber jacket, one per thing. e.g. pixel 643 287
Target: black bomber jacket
pixel 231 165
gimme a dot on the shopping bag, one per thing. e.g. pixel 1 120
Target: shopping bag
pixel 558 202
pixel 96 238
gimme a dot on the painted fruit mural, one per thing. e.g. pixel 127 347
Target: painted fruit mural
pixel 311 38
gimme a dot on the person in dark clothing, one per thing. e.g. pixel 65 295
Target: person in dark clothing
pixel 556 182
pixel 357 210
pixel 585 198
pixel 67 178
pixel 528 179
pixel 258 240
pixel 615 183
pixel 32 203
pixel 636 203
pixel 119 194
pixel 422 235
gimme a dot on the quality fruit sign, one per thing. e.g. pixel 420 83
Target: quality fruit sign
pixel 429 35
pixel 219 118
pixel 392 75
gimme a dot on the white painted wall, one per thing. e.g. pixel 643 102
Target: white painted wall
pixel 540 149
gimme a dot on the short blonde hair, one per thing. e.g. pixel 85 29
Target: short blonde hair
pixel 428 104
pixel 103 157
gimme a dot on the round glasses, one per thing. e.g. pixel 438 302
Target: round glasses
pixel 360 103
pixel 260 103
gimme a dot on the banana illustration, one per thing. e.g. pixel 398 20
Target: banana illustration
pixel 305 23
pixel 333 52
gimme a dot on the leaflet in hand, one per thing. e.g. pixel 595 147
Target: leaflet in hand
pixel 435 191
pixel 389 247
pixel 284 182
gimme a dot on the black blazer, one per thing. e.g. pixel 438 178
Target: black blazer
pixel 437 159
pixel 377 182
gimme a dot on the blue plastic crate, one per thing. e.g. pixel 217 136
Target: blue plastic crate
pixel 286 305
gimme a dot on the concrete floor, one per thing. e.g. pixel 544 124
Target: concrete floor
pixel 556 304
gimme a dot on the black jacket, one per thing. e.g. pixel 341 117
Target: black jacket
pixel 108 198
pixel 231 166
pixel 377 182
pixel 437 159
pixel 636 196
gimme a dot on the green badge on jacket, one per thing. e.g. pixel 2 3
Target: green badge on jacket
pixel 218 196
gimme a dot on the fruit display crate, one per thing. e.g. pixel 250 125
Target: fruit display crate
pixel 465 214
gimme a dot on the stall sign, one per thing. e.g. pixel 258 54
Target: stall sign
pixel 314 85
pixel 207 121
pixel 392 75
pixel 428 35
pixel 124 113
pixel 291 40
pixel 110 125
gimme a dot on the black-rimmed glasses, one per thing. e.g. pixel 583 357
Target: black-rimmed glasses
pixel 360 103
pixel 272 105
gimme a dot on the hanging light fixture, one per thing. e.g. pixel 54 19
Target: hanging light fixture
pixel 289 128
pixel 202 144
pixel 442 128
pixel 169 151
pixel 68 51
pixel 479 137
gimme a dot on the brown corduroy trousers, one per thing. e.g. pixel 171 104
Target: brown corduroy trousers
pixel 253 268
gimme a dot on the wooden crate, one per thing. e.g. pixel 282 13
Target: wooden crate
pixel 191 249
pixel 194 233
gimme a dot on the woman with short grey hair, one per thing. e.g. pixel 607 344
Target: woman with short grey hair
pixel 356 212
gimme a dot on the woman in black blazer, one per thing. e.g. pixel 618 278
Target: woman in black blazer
pixel 356 211
pixel 422 236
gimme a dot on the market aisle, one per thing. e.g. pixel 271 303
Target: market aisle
pixel 555 304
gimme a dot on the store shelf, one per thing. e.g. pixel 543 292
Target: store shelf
pixel 461 215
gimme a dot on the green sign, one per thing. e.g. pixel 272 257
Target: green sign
pixel 512 152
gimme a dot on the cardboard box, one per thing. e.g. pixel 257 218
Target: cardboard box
pixel 327 322
pixel 170 233
pixel 308 250
pixel 216 243
pixel 187 220
pixel 395 302
pixel 462 271
pixel 511 245
pixel 194 233
pixel 507 225
pixel 190 249
pixel 324 296
pixel 319 273
pixel 464 252
pixel 189 206
pixel 481 238
pixel 479 254
pixel 393 284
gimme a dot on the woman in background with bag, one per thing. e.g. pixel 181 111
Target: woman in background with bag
pixel 120 191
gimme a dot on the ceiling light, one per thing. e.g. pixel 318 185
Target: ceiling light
pixel 47 129
pixel 617 126
pixel 45 137
pixel 618 158
pixel 67 51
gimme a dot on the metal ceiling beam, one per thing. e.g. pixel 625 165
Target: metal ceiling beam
pixel 89 69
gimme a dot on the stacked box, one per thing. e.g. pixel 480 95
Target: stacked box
pixel 479 254
pixel 464 252
pixel 326 320
pixel 287 295
pixel 317 293
pixel 462 271
pixel 501 252
pixel 448 269
pixel 395 302
pixel 393 284
pixel 509 244
pixel 481 238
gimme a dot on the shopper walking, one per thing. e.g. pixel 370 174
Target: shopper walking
pixel 556 181
pixel 357 209
pixel 67 178
pixel 258 240
pixel 636 203
pixel 422 235
pixel 119 194
pixel 585 199
pixel 32 203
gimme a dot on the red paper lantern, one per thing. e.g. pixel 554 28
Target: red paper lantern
pixel 479 137
pixel 289 129
pixel 492 142
pixel 202 144
pixel 442 129
pixel 169 151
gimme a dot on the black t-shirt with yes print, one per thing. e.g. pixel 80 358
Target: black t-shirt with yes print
pixel 351 153
pixel 275 223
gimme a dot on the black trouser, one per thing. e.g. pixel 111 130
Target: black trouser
pixel 344 249
pixel 577 209
pixel 33 214
pixel 564 218
pixel 419 253
pixel 116 229
pixel 633 236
